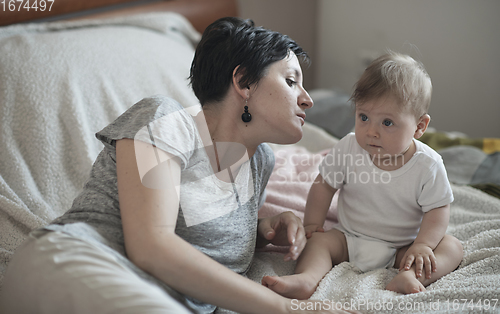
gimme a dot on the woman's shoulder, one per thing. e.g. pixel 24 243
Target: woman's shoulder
pixel 264 156
pixel 149 109
pixel 155 113
pixel 155 106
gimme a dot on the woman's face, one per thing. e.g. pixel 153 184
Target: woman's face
pixel 278 102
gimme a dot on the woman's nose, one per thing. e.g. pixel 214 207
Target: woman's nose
pixel 305 100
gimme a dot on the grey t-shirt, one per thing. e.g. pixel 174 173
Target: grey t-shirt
pixel 228 238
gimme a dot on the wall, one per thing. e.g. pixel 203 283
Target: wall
pixel 457 40
pixel 295 18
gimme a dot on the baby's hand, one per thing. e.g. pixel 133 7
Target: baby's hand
pixel 312 228
pixel 423 256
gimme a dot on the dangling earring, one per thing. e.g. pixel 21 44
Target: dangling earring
pixel 246 116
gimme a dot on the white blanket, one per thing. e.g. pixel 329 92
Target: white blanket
pixel 62 82
pixel 475 220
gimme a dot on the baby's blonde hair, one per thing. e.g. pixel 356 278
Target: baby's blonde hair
pixel 397 75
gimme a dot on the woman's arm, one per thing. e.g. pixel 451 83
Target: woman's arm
pixel 318 202
pixel 149 217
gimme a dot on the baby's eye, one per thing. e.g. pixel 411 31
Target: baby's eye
pixel 363 117
pixel 387 123
pixel 290 82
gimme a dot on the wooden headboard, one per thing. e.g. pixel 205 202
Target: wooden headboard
pixel 199 12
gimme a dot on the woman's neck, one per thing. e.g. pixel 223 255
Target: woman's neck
pixel 223 141
pixel 224 125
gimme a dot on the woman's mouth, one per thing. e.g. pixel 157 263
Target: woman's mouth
pixel 302 118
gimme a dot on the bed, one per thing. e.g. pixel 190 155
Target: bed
pixel 61 81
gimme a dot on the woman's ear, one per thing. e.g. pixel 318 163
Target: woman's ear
pixel 422 124
pixel 243 91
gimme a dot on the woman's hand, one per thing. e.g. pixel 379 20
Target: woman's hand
pixel 422 256
pixel 283 229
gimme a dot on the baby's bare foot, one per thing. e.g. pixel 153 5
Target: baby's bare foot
pixel 298 286
pixel 405 282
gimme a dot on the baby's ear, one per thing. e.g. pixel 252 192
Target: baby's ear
pixel 422 124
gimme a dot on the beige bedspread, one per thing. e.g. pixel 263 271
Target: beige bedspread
pixel 62 82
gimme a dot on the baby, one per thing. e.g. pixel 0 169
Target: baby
pixel 394 198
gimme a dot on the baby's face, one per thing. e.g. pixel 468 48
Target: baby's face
pixel 383 128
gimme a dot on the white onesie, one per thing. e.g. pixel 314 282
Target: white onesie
pixel 383 206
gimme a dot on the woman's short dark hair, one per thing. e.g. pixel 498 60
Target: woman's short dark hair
pixel 230 42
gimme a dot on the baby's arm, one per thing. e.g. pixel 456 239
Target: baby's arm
pixel 432 231
pixel 318 202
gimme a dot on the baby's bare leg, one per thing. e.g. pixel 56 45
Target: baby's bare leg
pixel 449 253
pixel 322 251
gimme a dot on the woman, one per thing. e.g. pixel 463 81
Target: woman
pixel 171 204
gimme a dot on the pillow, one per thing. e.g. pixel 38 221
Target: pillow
pixel 331 111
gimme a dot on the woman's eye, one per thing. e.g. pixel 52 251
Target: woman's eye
pixel 387 122
pixel 290 82
pixel 363 117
